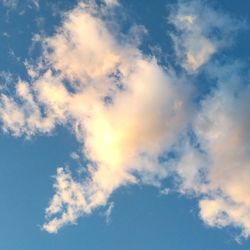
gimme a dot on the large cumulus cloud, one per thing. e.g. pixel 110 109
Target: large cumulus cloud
pixel 127 111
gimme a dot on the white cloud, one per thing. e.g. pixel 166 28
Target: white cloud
pixel 13 4
pixel 200 31
pixel 165 191
pixel 35 3
pixel 111 2
pixel 26 118
pixel 108 212
pixel 223 127
pixel 75 156
pixel 9 3
pixel 118 139
pixel 123 107
pixel 216 168
pixel 126 111
pixel 68 192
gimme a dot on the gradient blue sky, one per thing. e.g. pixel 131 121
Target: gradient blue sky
pixel 142 218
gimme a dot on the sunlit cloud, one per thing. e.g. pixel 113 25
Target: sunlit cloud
pixel 200 31
pixel 102 88
pixel 134 119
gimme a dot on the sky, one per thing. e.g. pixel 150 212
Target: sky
pixel 124 125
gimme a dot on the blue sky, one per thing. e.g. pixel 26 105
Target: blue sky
pixel 124 125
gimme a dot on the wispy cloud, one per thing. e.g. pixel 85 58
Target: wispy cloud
pixel 9 3
pixel 200 31
pixel 108 212
pixel 13 4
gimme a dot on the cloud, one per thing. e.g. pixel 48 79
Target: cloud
pixel 200 31
pixel 134 119
pixel 25 116
pixel 13 4
pixel 9 3
pixel 223 127
pixel 75 156
pixel 108 212
pixel 111 2
pixel 115 86
pixel 215 166
pixel 101 87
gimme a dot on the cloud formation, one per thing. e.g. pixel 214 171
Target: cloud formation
pixel 200 31
pixel 115 85
pixel 129 113
pixel 223 126
pixel 102 87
